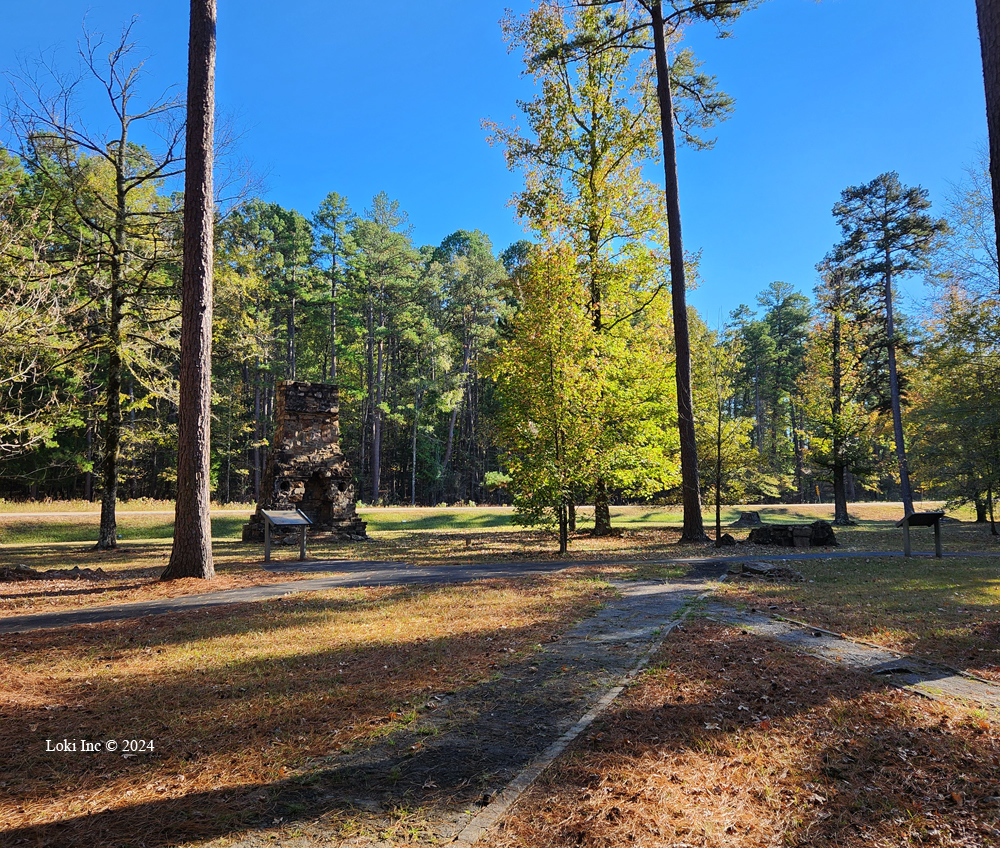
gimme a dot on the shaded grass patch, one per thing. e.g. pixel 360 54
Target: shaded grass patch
pixel 942 609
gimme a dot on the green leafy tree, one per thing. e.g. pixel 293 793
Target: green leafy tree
pixel 32 407
pixel 545 379
pixel 665 21
pixel 592 128
pixel 957 399
pixel 954 403
pixel 113 227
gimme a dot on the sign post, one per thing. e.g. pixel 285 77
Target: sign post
pixel 285 518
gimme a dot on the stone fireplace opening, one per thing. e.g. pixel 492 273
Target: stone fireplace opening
pixel 316 503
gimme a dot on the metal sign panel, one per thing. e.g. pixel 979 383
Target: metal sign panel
pixel 286 517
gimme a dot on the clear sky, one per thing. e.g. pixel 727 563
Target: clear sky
pixel 362 97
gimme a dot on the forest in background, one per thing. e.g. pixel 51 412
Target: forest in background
pixel 470 374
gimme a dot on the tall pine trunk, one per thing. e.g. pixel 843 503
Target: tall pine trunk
pixel 333 321
pixel 191 554
pixel 840 515
pixel 107 536
pixel 88 480
pixel 897 414
pixel 292 353
pixel 257 433
pixel 413 449
pixel 797 448
pixel 377 426
pixel 694 528
pixel 718 474
pixel 463 380
pixel 988 14
pixel 368 416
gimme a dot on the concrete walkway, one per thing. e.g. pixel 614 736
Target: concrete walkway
pixel 482 747
pixel 915 674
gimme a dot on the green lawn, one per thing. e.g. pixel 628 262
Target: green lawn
pixel 152 520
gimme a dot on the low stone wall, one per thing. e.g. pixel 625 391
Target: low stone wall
pixel 816 535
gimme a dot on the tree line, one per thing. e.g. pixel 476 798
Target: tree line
pixel 549 374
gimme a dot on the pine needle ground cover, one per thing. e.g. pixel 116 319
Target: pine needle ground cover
pixel 732 740
pixel 129 573
pixel 237 703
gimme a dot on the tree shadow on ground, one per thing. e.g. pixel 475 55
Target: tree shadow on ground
pixel 734 740
pixel 354 727
pixel 355 717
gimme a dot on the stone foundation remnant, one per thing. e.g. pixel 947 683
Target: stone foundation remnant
pixel 306 468
pixel 748 519
pixel 815 535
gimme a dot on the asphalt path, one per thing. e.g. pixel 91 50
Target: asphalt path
pixel 346 574
pixel 360 573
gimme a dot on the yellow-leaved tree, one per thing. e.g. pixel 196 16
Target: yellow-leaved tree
pixel 590 132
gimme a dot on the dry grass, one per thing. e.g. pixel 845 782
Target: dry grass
pixel 449 536
pixel 235 702
pixel 941 609
pixel 734 741
pixel 131 572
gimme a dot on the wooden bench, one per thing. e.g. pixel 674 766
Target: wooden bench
pixel 285 518
pixel 922 519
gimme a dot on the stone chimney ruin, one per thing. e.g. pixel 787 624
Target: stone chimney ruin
pixel 306 468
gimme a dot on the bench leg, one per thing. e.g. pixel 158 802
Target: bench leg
pixel 267 540
pixel 302 545
pixel 937 540
pixel 906 540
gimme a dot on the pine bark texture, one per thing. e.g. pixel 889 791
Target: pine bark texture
pixel 840 515
pixel 988 14
pixel 694 528
pixel 906 491
pixel 107 536
pixel 191 555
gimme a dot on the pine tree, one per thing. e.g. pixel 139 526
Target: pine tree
pixel 887 233
pixel 191 554
pixel 988 15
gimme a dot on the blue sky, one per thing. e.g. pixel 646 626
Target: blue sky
pixel 359 98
